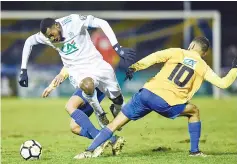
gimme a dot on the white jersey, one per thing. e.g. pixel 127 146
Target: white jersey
pixel 77 48
pixel 78 53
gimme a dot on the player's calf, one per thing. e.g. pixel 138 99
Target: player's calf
pixel 76 129
pixel 81 124
pixel 118 122
pixel 194 126
pixel 81 131
pixel 107 132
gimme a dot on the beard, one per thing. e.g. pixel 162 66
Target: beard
pixel 60 33
pixel 61 36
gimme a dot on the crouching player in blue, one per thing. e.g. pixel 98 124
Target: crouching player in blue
pixel 80 111
pixel 169 92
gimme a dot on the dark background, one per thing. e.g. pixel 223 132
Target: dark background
pixel 227 9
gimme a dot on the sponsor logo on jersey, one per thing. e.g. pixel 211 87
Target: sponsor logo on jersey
pixel 69 48
pixel 67 20
pixel 190 62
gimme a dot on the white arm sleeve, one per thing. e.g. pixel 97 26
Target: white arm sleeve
pixel 104 25
pixel 30 41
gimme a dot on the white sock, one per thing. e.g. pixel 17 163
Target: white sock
pixel 93 101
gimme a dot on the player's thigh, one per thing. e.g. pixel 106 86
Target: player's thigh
pixel 83 80
pixel 172 111
pixel 190 110
pixel 109 85
pixel 73 103
pixel 78 74
pixel 135 108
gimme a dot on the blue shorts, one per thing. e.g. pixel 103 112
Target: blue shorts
pixel 86 108
pixel 145 102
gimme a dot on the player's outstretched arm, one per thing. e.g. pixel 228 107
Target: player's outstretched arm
pixel 224 82
pixel 157 57
pixel 125 53
pixel 29 43
pixel 63 75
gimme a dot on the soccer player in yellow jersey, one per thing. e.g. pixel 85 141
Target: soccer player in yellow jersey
pixel 169 92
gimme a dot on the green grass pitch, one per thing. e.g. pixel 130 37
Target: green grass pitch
pixel 153 139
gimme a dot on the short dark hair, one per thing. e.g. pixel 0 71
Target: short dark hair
pixel 203 42
pixel 46 23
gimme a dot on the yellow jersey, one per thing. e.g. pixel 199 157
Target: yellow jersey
pixel 182 74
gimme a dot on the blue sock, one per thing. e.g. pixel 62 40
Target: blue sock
pixel 84 122
pixel 88 130
pixel 113 139
pixel 85 133
pixel 103 136
pixel 194 132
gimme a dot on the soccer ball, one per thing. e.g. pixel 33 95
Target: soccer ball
pixel 31 150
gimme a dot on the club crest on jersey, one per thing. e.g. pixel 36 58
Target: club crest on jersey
pixel 69 48
pixel 82 17
pixel 71 34
pixel 190 62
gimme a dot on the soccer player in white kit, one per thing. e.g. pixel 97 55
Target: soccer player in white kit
pixel 85 65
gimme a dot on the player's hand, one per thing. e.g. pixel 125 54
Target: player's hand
pixel 125 53
pixel 129 74
pixel 234 63
pixel 47 92
pixel 23 80
pixel 58 80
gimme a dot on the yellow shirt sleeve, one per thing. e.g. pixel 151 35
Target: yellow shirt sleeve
pixel 64 73
pixel 224 82
pixel 157 57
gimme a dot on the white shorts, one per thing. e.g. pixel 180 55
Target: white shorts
pixel 103 75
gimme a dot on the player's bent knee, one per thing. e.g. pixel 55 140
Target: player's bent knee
pixel 88 86
pixel 190 110
pixel 118 100
pixel 196 111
